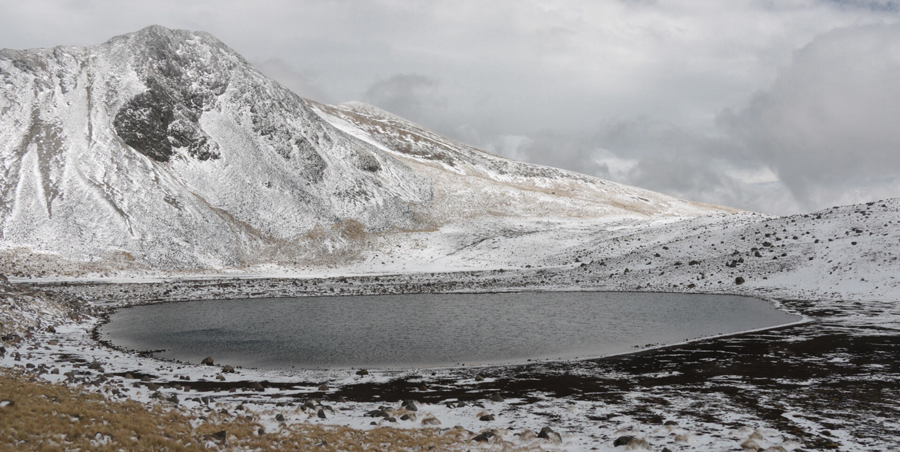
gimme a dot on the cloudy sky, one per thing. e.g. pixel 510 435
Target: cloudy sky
pixel 779 106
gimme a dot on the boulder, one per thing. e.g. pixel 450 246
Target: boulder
pixel 550 435
pixel 208 361
pixel 496 397
pixel 410 405
pixel 486 418
pixel 484 437
pixel 227 369
pixel 431 420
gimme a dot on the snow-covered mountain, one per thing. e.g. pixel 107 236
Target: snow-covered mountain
pixel 166 150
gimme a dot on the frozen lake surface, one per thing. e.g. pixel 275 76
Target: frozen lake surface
pixel 430 330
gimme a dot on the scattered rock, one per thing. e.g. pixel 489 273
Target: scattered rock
pixel 227 369
pixel 380 413
pixel 750 445
pixel 321 414
pixel 256 386
pixel 479 378
pixel 756 435
pixel 739 280
pixel 279 417
pixel 670 423
pixel 323 387
pixel 486 418
pixel 208 361
pixel 220 378
pixel 362 372
pixel 496 397
pixel 95 366
pixel 623 441
pixel 54 372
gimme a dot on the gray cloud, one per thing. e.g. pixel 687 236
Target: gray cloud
pixel 406 95
pixel 303 83
pixel 828 124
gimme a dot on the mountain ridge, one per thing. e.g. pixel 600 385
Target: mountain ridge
pixel 165 149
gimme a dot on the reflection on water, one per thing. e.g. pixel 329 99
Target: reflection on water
pixel 399 331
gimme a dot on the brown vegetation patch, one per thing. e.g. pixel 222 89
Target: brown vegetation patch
pixel 42 416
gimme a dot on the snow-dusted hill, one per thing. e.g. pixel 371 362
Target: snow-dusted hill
pixel 165 150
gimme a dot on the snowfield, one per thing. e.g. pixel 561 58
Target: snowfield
pixel 160 166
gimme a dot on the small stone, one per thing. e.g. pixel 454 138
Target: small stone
pixel 94 365
pixel 256 386
pixel 129 376
pixel 486 418
pixel 279 417
pixel 496 397
pixel 362 372
pixel 622 441
pixel 405 417
pixel 145 379
pixel 208 361
pixel 227 369
pixel 54 372
pixel 390 419
pixel 670 423
pixel 50 329
pixel 750 445
pixel 479 378
pixel 321 414
pixel 220 378
pixel 323 387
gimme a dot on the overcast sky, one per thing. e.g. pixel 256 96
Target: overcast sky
pixel 778 106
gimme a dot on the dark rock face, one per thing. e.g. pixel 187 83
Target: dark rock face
pixel 143 124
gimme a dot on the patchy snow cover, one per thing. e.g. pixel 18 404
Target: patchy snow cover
pixel 851 302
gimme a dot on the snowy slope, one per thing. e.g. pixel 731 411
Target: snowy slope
pixel 166 150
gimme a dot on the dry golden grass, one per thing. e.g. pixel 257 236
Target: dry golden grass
pixel 54 417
